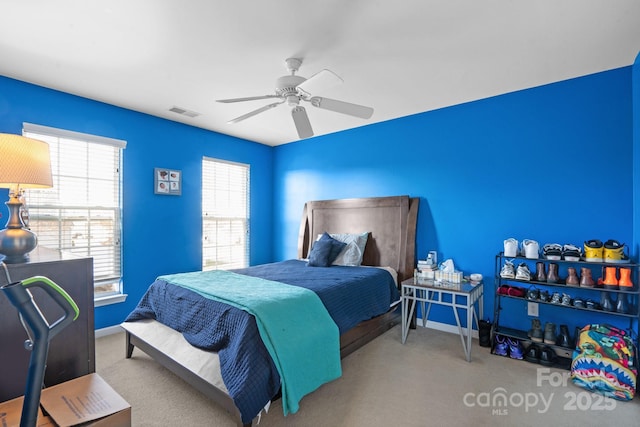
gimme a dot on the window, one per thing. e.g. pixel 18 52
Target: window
pixel 82 213
pixel 225 215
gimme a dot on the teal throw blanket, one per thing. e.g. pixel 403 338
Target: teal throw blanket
pixel 300 335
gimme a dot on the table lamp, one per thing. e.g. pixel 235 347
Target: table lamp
pixel 24 163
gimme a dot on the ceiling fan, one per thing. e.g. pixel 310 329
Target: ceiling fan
pixel 292 89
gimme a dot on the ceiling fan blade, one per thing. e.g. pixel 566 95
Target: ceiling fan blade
pixel 254 112
pixel 342 107
pixel 320 81
pixel 301 120
pixel 250 98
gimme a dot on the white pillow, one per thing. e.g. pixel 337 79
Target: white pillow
pixel 352 254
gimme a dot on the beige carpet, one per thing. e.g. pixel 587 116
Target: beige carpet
pixel 424 382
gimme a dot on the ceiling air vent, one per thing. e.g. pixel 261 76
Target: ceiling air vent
pixel 183 112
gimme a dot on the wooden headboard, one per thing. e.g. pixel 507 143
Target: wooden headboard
pixel 391 222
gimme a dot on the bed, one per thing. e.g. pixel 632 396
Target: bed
pixel 391 224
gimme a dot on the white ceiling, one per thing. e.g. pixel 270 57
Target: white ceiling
pixel 399 57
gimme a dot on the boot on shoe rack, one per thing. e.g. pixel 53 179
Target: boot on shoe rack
pixel 586 279
pixel 572 278
pixel 552 276
pixel 564 339
pixel 550 333
pixel 535 333
pixel 541 274
pixel 605 302
pixel 625 281
pixel 610 278
pixel 621 304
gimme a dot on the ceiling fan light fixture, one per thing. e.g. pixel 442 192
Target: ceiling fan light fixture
pixel 292 89
pixel 286 85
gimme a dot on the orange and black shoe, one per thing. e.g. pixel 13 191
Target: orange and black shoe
pixel 625 282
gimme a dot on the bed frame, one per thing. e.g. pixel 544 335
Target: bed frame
pixel 391 222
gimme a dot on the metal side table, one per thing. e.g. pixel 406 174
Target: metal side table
pixel 455 295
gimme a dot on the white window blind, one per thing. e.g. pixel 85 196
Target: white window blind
pixel 82 213
pixel 225 215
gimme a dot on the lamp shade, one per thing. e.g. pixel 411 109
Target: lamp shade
pixel 24 162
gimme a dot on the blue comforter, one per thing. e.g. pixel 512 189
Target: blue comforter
pixel 350 295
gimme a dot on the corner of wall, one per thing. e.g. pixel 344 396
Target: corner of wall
pixel 635 132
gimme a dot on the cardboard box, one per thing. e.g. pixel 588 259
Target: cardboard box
pixel 86 401
pixel 11 411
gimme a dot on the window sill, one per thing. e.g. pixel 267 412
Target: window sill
pixel 108 300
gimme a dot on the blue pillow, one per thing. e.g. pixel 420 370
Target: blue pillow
pixel 337 246
pixel 320 253
pixel 324 251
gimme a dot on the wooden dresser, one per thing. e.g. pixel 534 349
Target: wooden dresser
pixel 72 351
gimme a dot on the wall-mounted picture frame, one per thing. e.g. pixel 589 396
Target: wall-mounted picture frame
pixel 167 182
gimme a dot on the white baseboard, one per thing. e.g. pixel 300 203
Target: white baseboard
pixel 445 327
pixel 108 331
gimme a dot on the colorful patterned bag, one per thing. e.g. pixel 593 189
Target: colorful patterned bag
pixel 604 362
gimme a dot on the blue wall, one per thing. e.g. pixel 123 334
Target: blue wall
pixel 162 234
pixel 552 163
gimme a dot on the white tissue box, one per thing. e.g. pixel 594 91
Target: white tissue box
pixel 426 274
pixel 455 277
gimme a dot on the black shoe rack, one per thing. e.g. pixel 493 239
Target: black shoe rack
pixel 628 320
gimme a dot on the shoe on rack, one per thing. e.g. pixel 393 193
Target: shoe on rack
pixel 523 273
pixel 610 278
pixel 501 348
pixel 556 298
pixel 605 302
pixel 593 250
pixel 511 248
pixel 621 304
pixel 515 291
pixel 571 252
pixel 530 249
pixel 508 270
pixel 586 279
pixel 533 294
pixel 547 356
pixel 564 339
pixel 592 305
pixel 566 300
pixel 532 353
pixel 544 296
pixel 625 281
pixel 541 272
pixel 614 252
pixel 535 333
pixel 550 333
pixel 572 277
pixel 512 291
pixel 578 302
pixel 552 276
pixel 515 349
pixel 552 251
